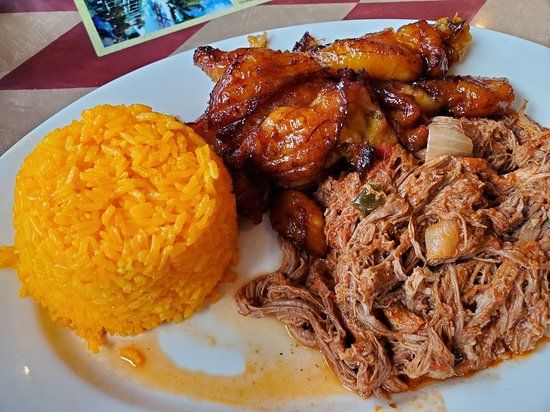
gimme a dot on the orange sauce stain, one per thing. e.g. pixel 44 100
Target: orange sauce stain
pixel 266 382
pixel 270 379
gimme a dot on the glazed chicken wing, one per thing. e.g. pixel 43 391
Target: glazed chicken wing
pixel 295 94
pixel 414 50
pixel 294 145
pixel 251 79
pixel 409 106
pixel 378 55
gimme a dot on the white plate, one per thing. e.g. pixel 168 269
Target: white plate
pixel 36 374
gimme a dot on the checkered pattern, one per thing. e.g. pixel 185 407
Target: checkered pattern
pixel 47 60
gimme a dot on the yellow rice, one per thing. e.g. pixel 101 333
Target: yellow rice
pixel 123 220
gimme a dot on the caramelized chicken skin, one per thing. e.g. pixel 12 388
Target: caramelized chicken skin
pixel 298 219
pixel 214 62
pixel 251 79
pixel 378 55
pixel 365 126
pixel 294 145
pixel 414 50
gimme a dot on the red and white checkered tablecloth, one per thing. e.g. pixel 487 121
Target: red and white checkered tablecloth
pixel 47 60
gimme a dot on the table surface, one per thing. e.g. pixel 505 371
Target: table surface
pixel 47 60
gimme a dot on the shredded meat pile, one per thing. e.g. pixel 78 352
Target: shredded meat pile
pixel 381 309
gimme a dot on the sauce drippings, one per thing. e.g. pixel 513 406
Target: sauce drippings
pixel 266 381
pixel 277 369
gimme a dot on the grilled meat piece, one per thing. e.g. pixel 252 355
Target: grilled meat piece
pixel 251 79
pixel 298 219
pixel 410 105
pixel 379 310
pixel 365 126
pixel 295 145
pixel 413 51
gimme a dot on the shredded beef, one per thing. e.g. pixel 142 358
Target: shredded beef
pixel 384 314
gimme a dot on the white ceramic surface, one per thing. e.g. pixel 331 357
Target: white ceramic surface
pixel 35 377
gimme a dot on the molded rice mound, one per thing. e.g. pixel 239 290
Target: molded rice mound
pixel 124 219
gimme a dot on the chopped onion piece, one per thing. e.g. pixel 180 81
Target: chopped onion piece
pixel 446 137
pixel 442 239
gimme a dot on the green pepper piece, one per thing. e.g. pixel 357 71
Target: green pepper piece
pixel 367 201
